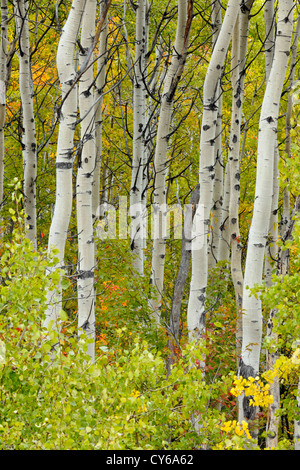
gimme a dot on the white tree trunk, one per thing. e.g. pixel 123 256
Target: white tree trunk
pixel 270 19
pixel 216 215
pixel 138 158
pixel 273 418
pixel 160 158
pixel 196 305
pixel 286 209
pixel 64 159
pixel 252 314
pixel 224 243
pixel 3 78
pixel 84 186
pixel 239 51
pixel 21 10
pixel 100 85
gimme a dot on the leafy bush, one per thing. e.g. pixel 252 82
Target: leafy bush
pixel 52 397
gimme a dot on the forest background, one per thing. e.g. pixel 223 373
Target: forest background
pixel 115 115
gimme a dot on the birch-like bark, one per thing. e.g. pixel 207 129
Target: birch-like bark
pixel 185 14
pixel 216 215
pixel 196 306
pixel 100 85
pixel 272 426
pixel 29 146
pixel 64 159
pixel 286 195
pixel 270 20
pixel 3 84
pixel 269 17
pixel 138 147
pixel 224 242
pixel 239 51
pixel 252 314
pixel 84 186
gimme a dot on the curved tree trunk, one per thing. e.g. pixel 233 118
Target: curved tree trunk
pixel 252 314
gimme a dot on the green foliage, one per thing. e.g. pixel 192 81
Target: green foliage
pixel 283 298
pixel 52 397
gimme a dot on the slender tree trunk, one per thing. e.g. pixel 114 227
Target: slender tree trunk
pixel 270 19
pixel 185 9
pixel 252 314
pixel 84 186
pixel 64 159
pixel 196 306
pixel 29 147
pixel 216 215
pixel 224 243
pixel 186 247
pixel 138 157
pixel 286 195
pixel 239 51
pixel 3 84
pixel 100 85
pixel 271 356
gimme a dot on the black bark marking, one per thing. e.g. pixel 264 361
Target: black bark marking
pixel 64 165
pixel 85 274
pixel 201 298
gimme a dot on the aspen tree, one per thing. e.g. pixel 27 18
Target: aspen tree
pixel 286 209
pixel 3 84
pixel 270 23
pixel 216 216
pixel 138 150
pixel 100 85
pixel 197 297
pixel 64 159
pixel 273 420
pixel 29 145
pixel 238 60
pixel 84 185
pixel 252 314
pixel 269 17
pixel 224 241
pixel 185 11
